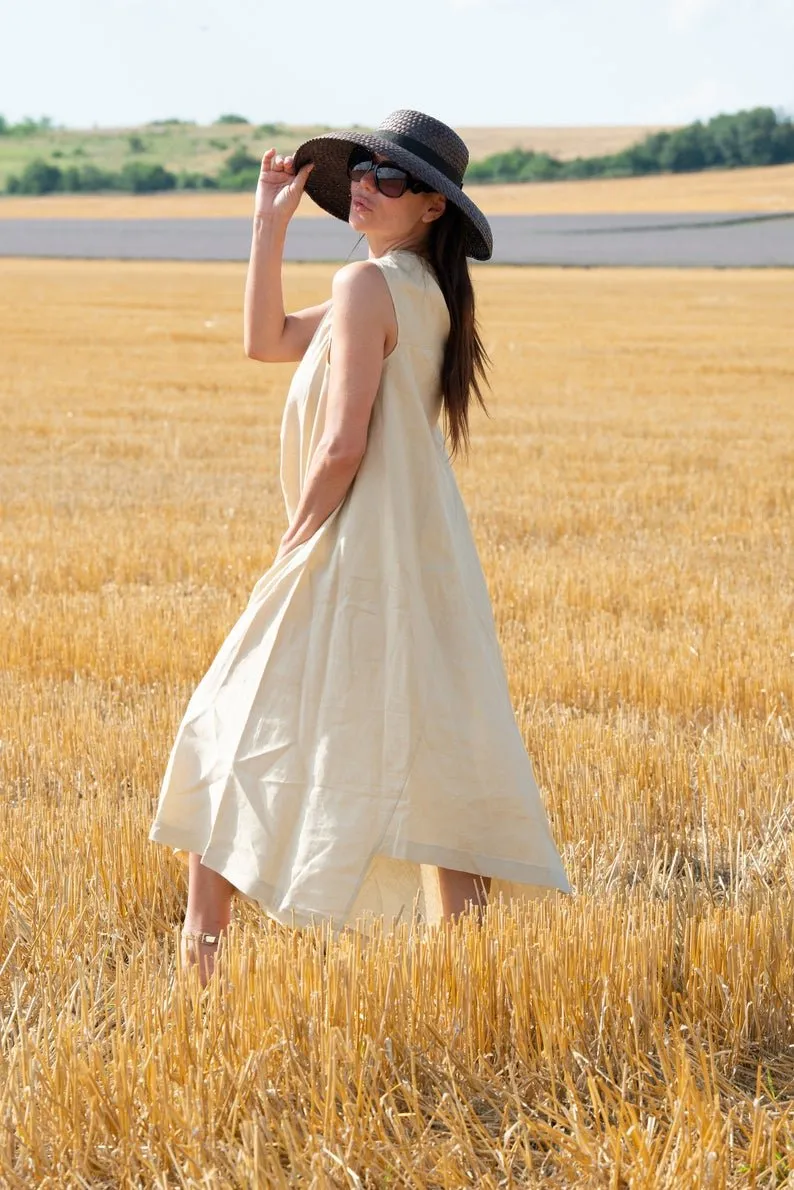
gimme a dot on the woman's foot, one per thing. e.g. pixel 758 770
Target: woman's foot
pixel 199 948
pixel 461 892
pixel 207 914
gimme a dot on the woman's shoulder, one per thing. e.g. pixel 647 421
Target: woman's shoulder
pixel 398 263
pixel 361 286
pixel 406 288
pixel 359 289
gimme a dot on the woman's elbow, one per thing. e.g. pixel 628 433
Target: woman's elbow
pixel 254 351
pixel 345 451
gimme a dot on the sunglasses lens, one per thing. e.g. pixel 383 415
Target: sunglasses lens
pixel 392 180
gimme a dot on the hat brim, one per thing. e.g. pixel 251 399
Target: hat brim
pixel 329 186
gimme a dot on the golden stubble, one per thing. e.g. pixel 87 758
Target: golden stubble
pixel 631 498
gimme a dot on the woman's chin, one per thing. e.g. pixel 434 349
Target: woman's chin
pixel 359 217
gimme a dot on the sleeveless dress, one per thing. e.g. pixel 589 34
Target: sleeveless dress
pixel 355 729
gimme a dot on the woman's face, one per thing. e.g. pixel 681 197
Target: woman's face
pixel 387 220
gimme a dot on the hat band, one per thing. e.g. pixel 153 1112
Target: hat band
pixel 421 150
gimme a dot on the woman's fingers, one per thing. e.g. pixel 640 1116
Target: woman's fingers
pixel 273 160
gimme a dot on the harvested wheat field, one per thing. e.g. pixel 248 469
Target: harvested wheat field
pixel 632 499
pixel 769 189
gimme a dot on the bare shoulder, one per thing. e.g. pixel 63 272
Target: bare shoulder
pixel 362 300
pixel 361 281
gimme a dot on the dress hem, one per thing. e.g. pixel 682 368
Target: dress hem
pixel 419 853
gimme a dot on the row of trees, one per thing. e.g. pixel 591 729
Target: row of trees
pixel 240 171
pixel 758 136
pixel 26 127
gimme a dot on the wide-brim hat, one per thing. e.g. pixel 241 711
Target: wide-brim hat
pixel 428 149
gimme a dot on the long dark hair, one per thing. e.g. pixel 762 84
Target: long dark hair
pixel 465 357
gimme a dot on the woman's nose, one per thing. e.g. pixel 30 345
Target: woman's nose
pixel 369 178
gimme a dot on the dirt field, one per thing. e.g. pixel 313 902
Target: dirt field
pixel 563 143
pixel 632 499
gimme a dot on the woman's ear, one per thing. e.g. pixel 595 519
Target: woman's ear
pixel 437 204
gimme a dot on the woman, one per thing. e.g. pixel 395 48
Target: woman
pixel 352 749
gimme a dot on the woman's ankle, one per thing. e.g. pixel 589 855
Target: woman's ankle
pixel 200 923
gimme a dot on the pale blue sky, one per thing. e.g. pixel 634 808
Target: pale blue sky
pixel 526 62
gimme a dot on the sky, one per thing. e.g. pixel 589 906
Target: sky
pixel 113 63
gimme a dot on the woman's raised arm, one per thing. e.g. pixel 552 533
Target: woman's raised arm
pixel 269 334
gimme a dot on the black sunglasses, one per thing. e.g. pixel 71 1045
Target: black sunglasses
pixel 390 179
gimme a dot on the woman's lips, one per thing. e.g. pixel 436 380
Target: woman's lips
pixel 359 202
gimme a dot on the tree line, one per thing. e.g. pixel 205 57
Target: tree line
pixel 755 137
pixel 240 171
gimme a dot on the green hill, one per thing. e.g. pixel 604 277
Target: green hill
pixel 177 146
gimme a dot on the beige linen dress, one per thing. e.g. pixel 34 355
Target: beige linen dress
pixel 355 729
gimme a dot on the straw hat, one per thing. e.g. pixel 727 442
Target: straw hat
pixel 428 149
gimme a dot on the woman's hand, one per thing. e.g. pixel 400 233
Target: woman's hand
pixel 283 550
pixel 279 188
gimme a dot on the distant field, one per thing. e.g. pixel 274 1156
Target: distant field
pixel 769 189
pixel 565 143
pixel 204 148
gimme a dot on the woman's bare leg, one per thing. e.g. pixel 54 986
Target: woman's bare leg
pixel 457 888
pixel 209 909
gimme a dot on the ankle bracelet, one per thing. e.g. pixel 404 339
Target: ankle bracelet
pixel 201 936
